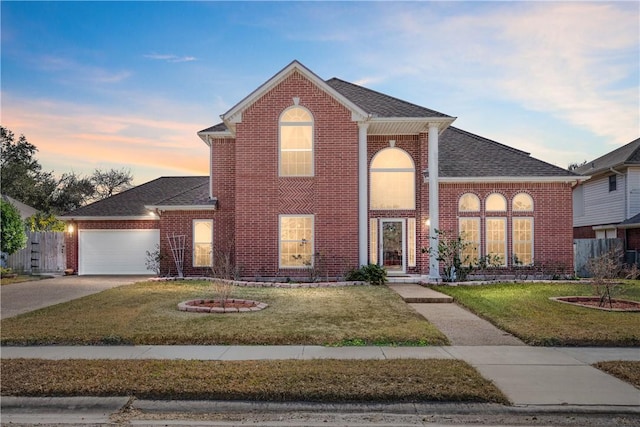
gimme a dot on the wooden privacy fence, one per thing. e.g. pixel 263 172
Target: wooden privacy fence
pixel 44 253
pixel 585 249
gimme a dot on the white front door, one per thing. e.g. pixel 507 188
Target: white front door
pixel 392 245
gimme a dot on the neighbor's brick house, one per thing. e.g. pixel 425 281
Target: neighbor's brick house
pixel 307 172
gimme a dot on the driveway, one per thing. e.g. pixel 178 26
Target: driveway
pixel 23 297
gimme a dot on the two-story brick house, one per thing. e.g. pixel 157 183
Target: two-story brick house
pixel 306 172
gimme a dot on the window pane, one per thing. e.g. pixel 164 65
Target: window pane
pixel 470 234
pixel 373 241
pixel 202 243
pixel 496 203
pixel 392 158
pixel 296 114
pixel 202 231
pixel 296 241
pixel 496 238
pixel 469 203
pixel 393 190
pixel 295 137
pixel 522 202
pixel 411 242
pixel 522 241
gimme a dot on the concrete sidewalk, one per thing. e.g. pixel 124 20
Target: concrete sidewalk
pixel 527 375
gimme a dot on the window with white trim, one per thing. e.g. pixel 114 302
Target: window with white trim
pixel 392 183
pixel 296 241
pixel 411 242
pixel 203 243
pixel 522 202
pixel 296 142
pixel 469 202
pixel 469 231
pixel 496 239
pixel 496 202
pixel 522 241
pixel 373 240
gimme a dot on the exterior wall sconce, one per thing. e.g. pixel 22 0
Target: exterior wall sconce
pixel 427 222
pixel 70 229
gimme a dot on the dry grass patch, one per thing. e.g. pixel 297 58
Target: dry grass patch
pixel 405 380
pixel 524 310
pixel 628 371
pixel 20 279
pixel 146 313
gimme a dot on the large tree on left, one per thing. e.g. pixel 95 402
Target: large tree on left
pixel 21 175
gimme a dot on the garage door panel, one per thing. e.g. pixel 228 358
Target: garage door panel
pixel 115 251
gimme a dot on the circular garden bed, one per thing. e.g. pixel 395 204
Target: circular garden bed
pixel 594 302
pixel 231 305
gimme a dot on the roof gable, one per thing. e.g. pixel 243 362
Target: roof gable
pixel 234 115
pixel 628 154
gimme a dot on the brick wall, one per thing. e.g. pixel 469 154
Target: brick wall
pixel 586 232
pixel 331 195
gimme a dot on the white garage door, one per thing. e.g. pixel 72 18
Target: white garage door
pixel 115 251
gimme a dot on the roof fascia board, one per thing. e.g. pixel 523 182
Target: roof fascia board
pixel 108 218
pixel 206 136
pixel 442 122
pixel 234 115
pixel 509 179
pixel 181 207
pixel 605 227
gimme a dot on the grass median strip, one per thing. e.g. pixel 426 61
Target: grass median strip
pixel 524 310
pixel 404 380
pixel 628 371
pixel 146 313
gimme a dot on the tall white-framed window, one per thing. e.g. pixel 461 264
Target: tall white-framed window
pixel 411 242
pixel 469 231
pixel 522 240
pixel 496 239
pixel 392 181
pixel 202 242
pixel 373 240
pixel 296 142
pixel 296 241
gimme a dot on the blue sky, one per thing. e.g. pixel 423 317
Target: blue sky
pixel 128 84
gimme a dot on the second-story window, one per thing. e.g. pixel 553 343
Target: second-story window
pixel 613 184
pixel 296 142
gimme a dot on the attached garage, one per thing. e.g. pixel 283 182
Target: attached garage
pixel 115 251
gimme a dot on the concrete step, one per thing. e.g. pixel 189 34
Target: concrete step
pixel 416 294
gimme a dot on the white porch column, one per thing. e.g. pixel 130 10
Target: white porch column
pixel 363 173
pixel 434 213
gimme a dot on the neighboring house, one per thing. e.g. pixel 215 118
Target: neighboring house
pixel 25 210
pixel 607 204
pixel 331 175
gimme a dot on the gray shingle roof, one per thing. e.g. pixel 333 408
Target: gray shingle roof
pixel 196 196
pixel 626 155
pixel 463 154
pixel 132 202
pixel 378 104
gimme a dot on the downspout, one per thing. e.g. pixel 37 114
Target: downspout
pixel 210 167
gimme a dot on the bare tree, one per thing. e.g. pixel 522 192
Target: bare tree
pixel 110 182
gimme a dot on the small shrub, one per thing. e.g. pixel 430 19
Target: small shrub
pixel 449 252
pixel 153 260
pixel 372 273
pixel 224 266
pixel 604 269
pixel 222 291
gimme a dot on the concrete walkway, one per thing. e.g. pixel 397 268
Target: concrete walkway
pixel 23 297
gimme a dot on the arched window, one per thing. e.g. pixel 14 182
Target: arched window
pixel 522 202
pixel 496 203
pixel 296 142
pixel 393 183
pixel 469 202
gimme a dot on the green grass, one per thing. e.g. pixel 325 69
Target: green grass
pixel 628 371
pixel 146 313
pixel 526 311
pixel 405 380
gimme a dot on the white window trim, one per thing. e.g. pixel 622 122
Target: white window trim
pixel 312 149
pixel 505 259
pixel 313 241
pixel 533 239
pixel 194 243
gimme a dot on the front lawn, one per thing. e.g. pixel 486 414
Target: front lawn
pixel 524 310
pixel 145 313
pixel 404 380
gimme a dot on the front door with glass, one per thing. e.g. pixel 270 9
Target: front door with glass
pixel 392 244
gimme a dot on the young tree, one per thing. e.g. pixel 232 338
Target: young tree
pixel 72 192
pixel 110 182
pixel 13 236
pixel 44 222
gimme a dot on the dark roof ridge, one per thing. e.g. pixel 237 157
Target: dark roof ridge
pixel 385 95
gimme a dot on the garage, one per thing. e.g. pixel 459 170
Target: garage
pixel 115 251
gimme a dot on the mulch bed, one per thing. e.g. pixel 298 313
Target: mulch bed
pixel 594 302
